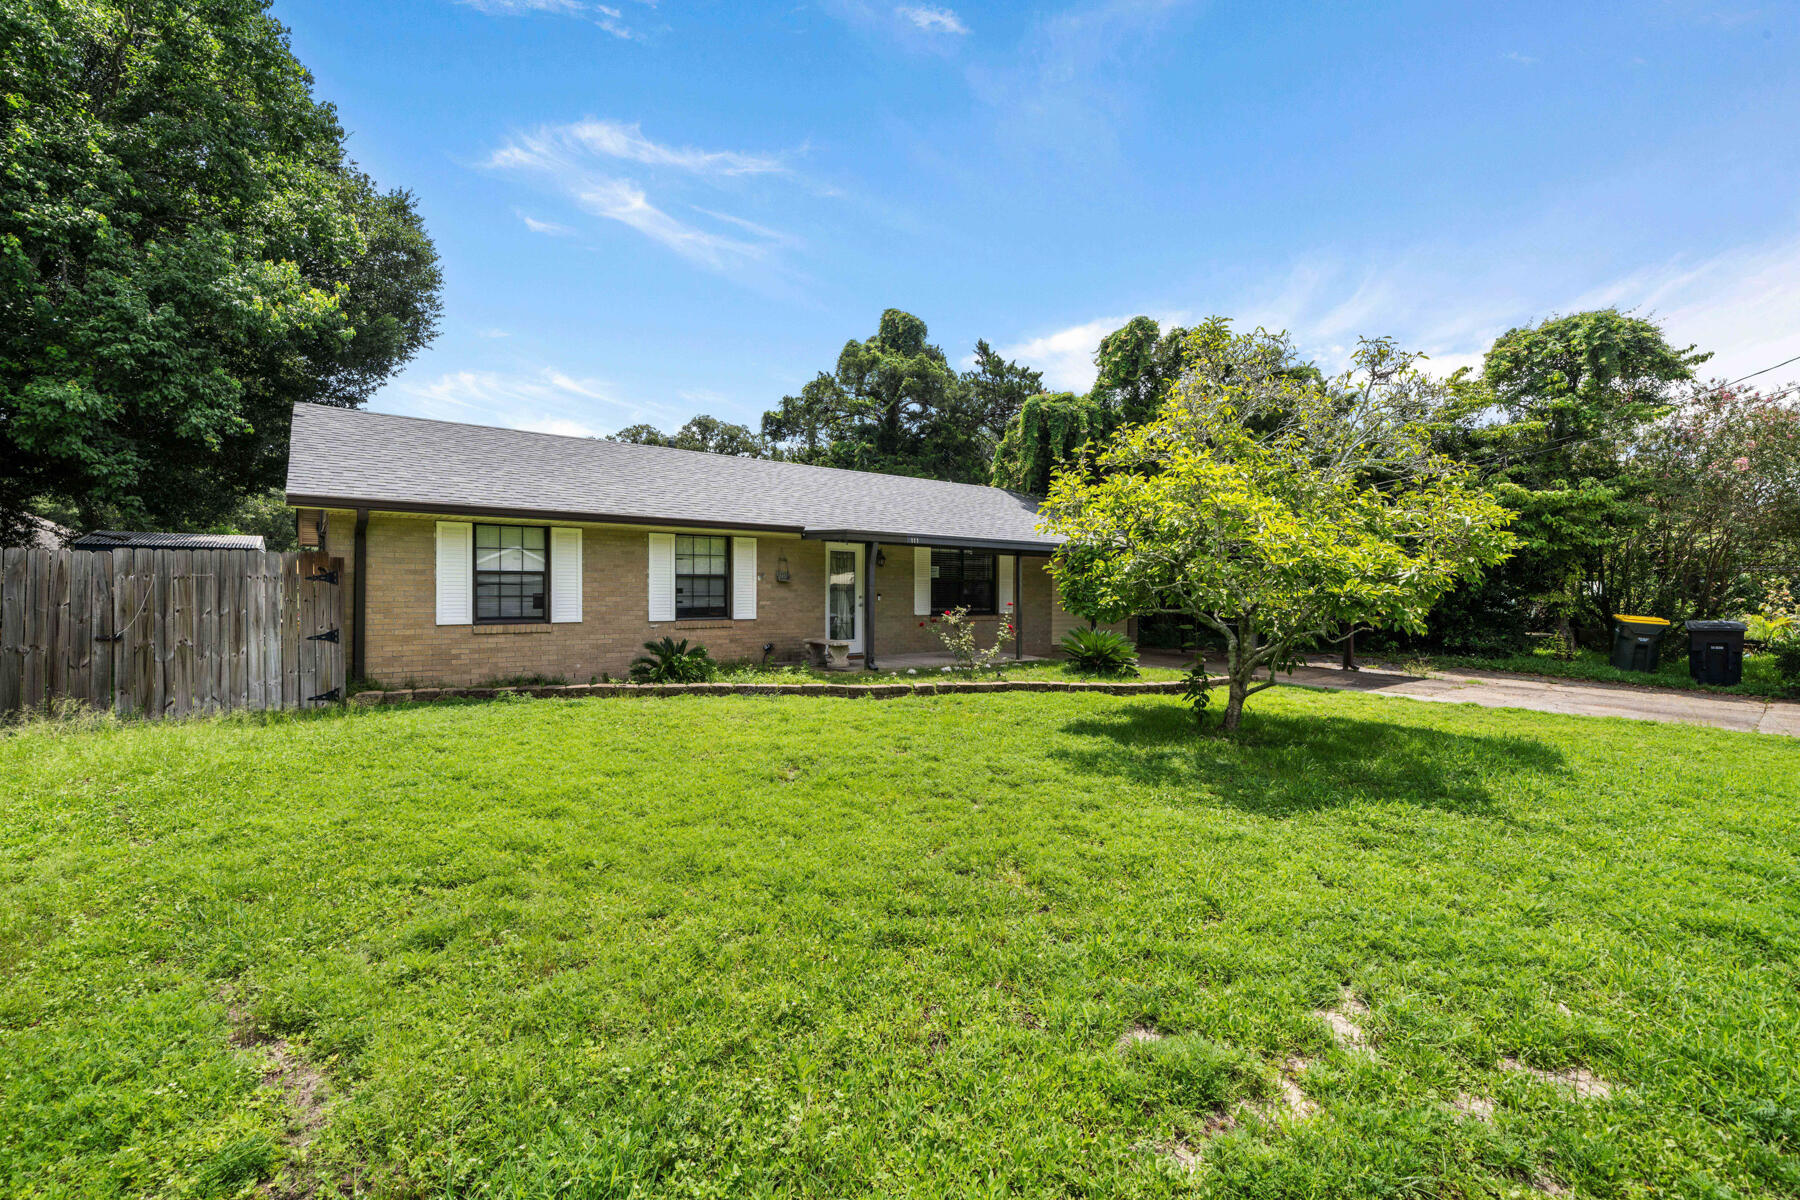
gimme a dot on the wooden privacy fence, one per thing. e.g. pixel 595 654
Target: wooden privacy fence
pixel 169 633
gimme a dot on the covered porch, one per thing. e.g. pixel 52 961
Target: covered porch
pixel 883 590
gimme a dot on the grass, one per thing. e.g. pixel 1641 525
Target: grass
pixel 1760 675
pixel 738 946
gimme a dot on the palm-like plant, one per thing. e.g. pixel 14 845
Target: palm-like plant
pixel 1100 651
pixel 671 661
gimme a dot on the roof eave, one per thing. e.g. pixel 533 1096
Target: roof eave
pixel 389 504
pixel 1003 545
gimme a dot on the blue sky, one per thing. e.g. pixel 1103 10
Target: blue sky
pixel 647 211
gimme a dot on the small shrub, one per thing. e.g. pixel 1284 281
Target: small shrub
pixel 1100 651
pixel 1196 689
pixel 957 631
pixel 671 661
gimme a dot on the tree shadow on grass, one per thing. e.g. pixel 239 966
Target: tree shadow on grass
pixel 1282 764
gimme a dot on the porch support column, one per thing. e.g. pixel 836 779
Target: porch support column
pixel 1018 605
pixel 359 560
pixel 870 550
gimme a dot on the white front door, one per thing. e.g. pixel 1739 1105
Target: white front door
pixel 844 594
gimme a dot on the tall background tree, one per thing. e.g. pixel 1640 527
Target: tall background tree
pixel 704 433
pixel 1135 365
pixel 185 251
pixel 895 404
pixel 1557 422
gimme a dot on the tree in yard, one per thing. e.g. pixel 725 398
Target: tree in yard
pixel 1274 508
pixel 184 253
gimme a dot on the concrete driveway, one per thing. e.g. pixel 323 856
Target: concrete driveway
pixel 1496 689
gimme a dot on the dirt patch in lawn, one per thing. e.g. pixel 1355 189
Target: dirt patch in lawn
pixel 1583 1083
pixel 1345 1022
pixel 1134 1035
pixel 306 1090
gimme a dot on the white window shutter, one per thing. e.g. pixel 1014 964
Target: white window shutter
pixel 921 581
pixel 662 577
pixel 1004 565
pixel 743 579
pixel 565 575
pixel 455 573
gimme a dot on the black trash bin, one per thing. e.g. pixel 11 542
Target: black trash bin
pixel 1716 652
pixel 1635 642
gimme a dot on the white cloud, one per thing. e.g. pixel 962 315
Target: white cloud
pixel 553 145
pixel 1066 356
pixel 931 20
pixel 575 160
pixel 492 333
pixel 1741 303
pixel 605 16
pixel 544 400
pixel 623 201
pixel 1524 60
pixel 545 227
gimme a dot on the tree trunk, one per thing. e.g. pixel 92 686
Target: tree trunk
pixel 1234 707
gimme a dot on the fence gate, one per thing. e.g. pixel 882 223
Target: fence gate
pixel 170 633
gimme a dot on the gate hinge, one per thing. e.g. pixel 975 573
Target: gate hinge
pixel 333 694
pixel 330 635
pixel 323 577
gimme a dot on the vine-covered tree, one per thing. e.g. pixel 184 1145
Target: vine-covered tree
pixel 184 253
pixel 1273 509
pixel 1048 435
pixel 1135 367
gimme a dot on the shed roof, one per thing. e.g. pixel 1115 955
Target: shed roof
pixel 115 539
pixel 342 458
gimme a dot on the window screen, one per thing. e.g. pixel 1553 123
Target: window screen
pixel 511 573
pixel 963 578
pixel 702 568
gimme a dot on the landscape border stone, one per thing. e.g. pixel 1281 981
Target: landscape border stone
pixel 847 691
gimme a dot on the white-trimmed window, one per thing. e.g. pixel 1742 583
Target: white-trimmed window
pixel 512 574
pixel 702 576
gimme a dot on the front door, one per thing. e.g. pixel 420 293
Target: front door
pixel 844 594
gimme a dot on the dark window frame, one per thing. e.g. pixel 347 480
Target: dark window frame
pixel 940 603
pixel 476 572
pixel 709 613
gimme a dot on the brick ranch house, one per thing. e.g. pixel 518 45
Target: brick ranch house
pixel 477 553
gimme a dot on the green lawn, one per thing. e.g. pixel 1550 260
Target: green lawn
pixel 741 946
pixel 1760 676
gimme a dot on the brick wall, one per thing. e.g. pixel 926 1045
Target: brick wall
pixel 407 646
pixel 406 643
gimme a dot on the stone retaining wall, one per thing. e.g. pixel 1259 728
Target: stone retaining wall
pixel 872 691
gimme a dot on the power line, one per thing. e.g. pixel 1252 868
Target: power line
pixel 1764 371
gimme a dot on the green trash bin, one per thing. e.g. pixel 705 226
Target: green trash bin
pixel 1635 642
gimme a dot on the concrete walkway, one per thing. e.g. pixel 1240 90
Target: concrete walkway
pixel 1498 689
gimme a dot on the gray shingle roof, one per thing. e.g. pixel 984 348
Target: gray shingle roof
pixel 344 458
pixel 113 539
